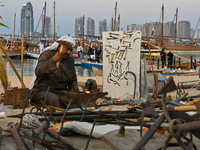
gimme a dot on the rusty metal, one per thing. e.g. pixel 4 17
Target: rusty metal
pixel 100 116
pixel 170 86
pixel 68 113
pixel 63 118
pixel 131 137
pixel 48 123
pixel 17 138
pixel 61 138
pixel 197 104
pixel 179 114
pixel 90 135
pixel 0 135
pixel 143 141
pixel 85 110
pixel 27 142
pixel 22 115
pixel 83 97
pixel 41 128
pixel 45 142
pixel 17 97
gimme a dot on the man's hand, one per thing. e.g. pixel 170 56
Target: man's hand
pixel 58 56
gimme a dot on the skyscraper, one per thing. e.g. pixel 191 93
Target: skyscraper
pixel 78 26
pixel 169 29
pixel 184 29
pixel 90 26
pixel 27 19
pixel 102 26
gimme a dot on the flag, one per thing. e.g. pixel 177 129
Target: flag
pixel 68 33
pixel 152 31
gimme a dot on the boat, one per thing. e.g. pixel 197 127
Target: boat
pixel 14 52
pixel 13 49
pixel 97 71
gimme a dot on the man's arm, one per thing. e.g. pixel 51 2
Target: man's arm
pixel 46 64
pixel 73 86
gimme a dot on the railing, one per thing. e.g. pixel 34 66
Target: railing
pixel 177 62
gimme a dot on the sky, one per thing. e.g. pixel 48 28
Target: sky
pixel 131 12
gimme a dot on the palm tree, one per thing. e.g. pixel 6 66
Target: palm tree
pixel 1 24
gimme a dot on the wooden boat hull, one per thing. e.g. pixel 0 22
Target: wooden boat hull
pixel 97 71
pixel 14 53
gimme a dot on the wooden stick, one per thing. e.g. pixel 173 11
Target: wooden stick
pixel 12 65
pixel 22 58
pixel 56 108
pixel 151 61
pixel 61 50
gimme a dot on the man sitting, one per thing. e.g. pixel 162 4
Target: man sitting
pixel 52 79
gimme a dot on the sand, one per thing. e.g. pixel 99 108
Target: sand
pixel 177 78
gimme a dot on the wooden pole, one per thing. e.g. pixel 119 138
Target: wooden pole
pixel 162 25
pixel 54 31
pixel 22 59
pixel 155 84
pixel 12 65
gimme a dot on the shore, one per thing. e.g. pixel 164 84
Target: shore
pixel 99 79
pixel 28 79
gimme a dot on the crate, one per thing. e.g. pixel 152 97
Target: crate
pixel 17 97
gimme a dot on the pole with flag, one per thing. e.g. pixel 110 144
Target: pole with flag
pixel 152 31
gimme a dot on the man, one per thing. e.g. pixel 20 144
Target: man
pixel 163 57
pixel 41 46
pixel 97 55
pixel 101 52
pixel 170 56
pixel 51 79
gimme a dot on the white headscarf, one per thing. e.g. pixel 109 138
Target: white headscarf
pixel 67 39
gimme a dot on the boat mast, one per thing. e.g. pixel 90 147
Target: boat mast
pixel 115 17
pixel 176 23
pixel 162 25
pixel 13 37
pixel 43 28
pixel 118 22
pixel 54 31
pixel 83 31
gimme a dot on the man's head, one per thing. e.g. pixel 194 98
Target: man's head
pixel 68 42
pixel 170 51
pixel 67 49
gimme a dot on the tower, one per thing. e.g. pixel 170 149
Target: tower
pixel 102 26
pixel 90 26
pixel 27 19
pixel 78 26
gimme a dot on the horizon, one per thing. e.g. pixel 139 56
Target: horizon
pixel 149 11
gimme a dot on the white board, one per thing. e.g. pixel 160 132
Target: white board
pixel 121 63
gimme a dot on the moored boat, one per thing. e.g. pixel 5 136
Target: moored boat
pixel 97 71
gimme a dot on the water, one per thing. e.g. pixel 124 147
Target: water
pixel 30 63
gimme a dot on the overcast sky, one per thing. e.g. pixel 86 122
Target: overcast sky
pixel 131 12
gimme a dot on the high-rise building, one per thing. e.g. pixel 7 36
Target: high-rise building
pixel 134 27
pixel 47 28
pixel 198 33
pixel 184 29
pixel 90 27
pixel 27 21
pixel 169 29
pixel 102 26
pixel 78 26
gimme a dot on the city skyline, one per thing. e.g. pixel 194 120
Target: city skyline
pixel 130 12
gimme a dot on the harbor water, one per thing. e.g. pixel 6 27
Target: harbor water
pixel 30 63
